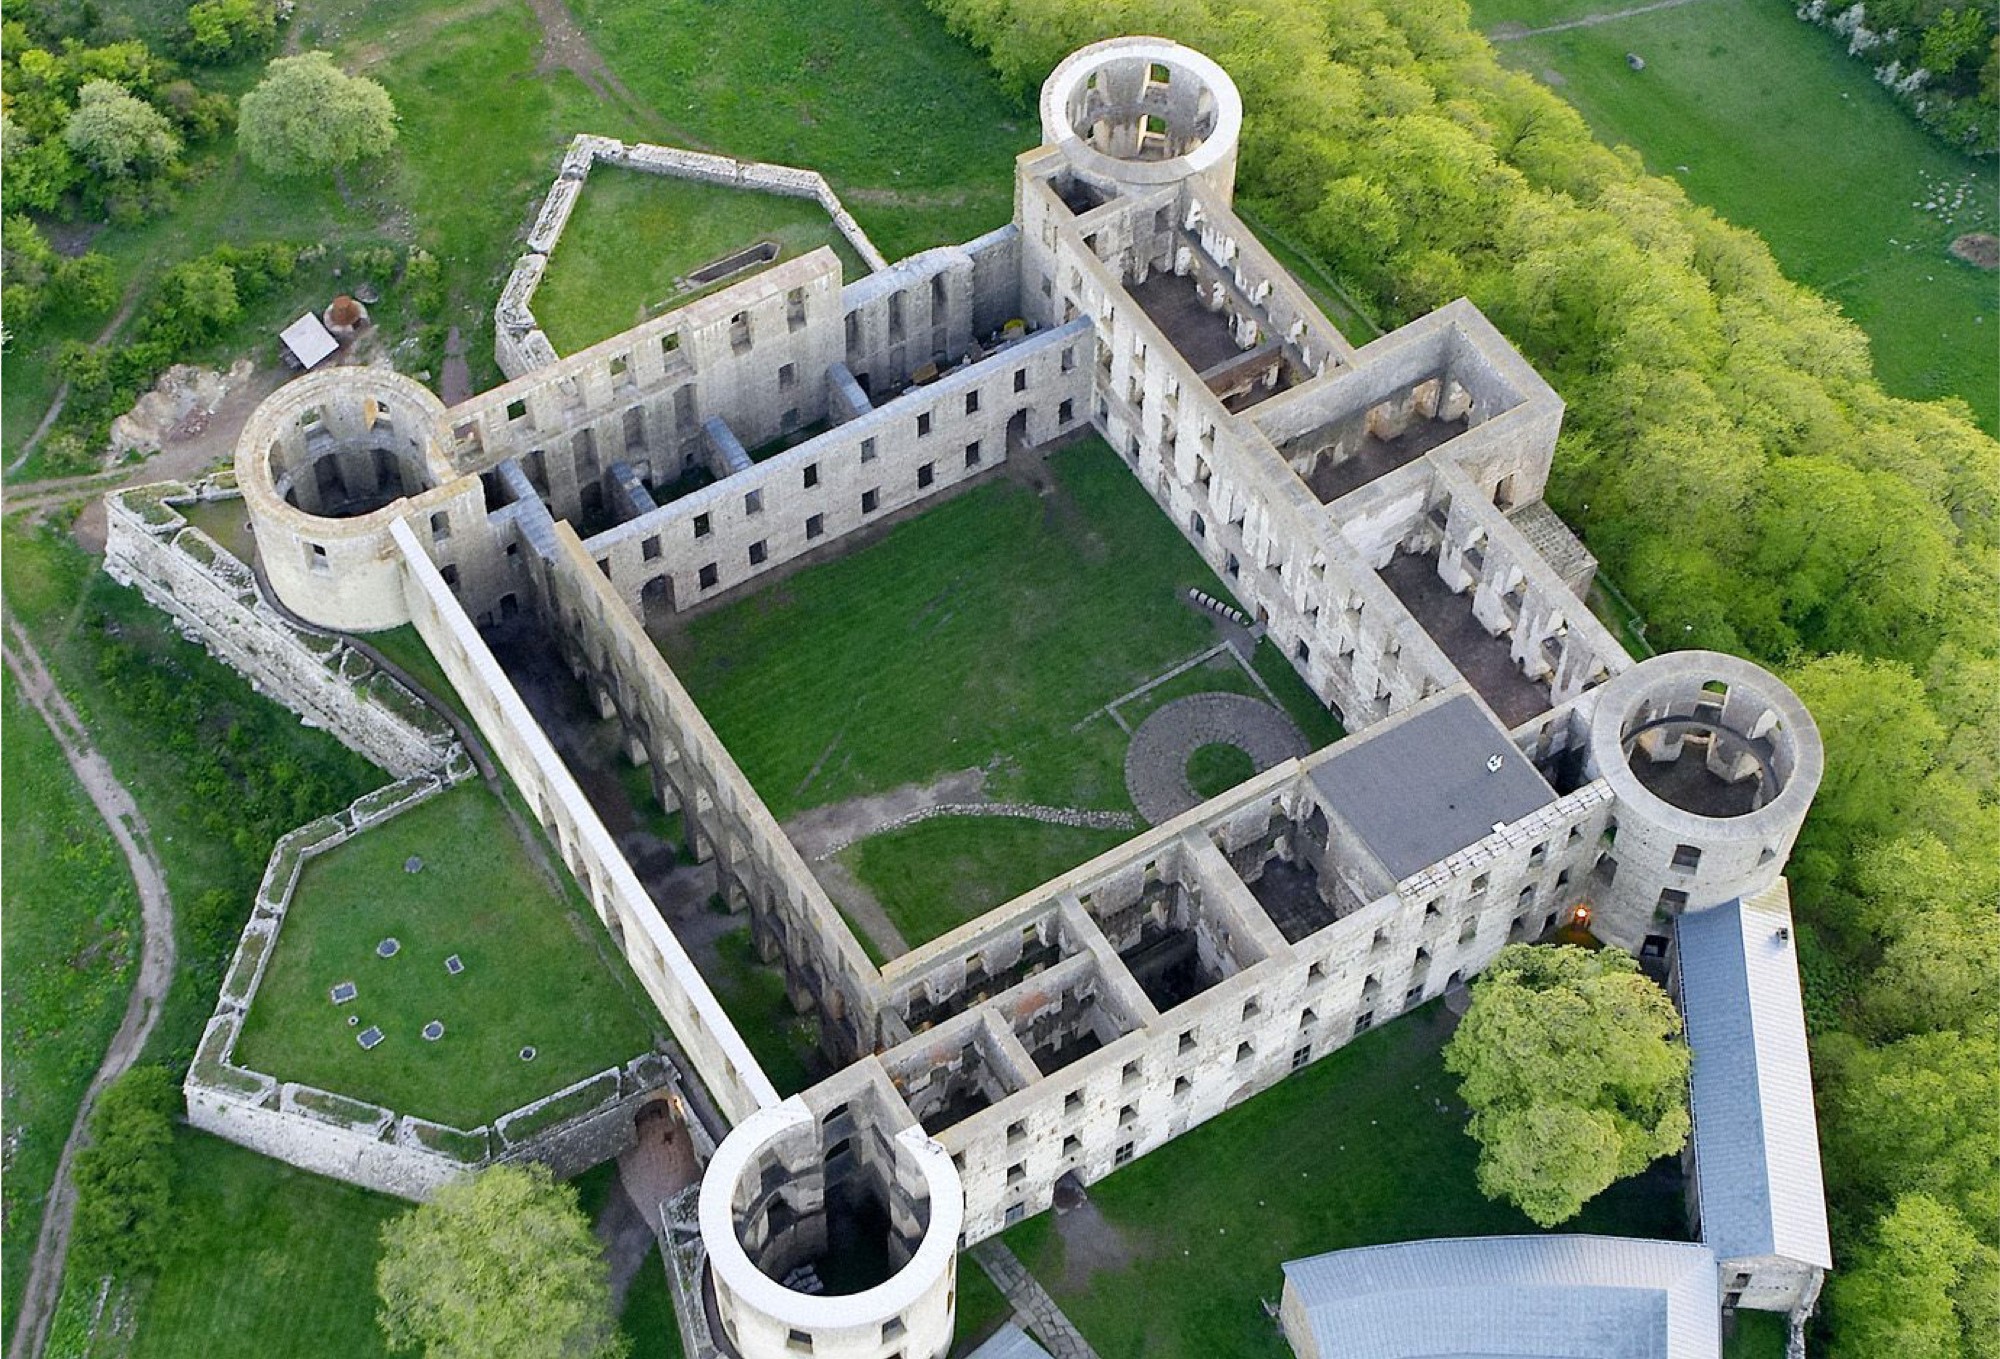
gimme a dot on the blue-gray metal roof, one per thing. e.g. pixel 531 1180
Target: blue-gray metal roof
pixel 1009 1342
pixel 1550 1297
pixel 1419 789
pixel 1756 1145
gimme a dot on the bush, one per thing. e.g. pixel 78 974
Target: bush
pixel 222 31
pixel 123 1176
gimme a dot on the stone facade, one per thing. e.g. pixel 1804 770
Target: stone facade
pixel 1375 511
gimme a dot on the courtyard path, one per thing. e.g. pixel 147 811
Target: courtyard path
pixel 1515 32
pixel 1032 1303
pixel 156 968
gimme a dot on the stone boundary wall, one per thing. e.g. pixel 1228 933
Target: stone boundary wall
pixel 213 599
pixel 570 1130
pixel 519 344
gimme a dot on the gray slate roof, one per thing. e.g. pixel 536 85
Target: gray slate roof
pixel 1550 1297
pixel 1420 790
pixel 1009 1342
pixel 1756 1145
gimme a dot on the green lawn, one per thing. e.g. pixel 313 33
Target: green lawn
pixel 1214 769
pixel 1780 131
pixel 71 940
pixel 976 634
pixel 753 995
pixel 634 235
pixel 263 1260
pixel 936 875
pixel 648 1320
pixel 1756 1335
pixel 906 122
pixel 1352 1151
pixel 535 974
pixel 981 1306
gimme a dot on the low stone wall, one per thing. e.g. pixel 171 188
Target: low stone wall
pixel 213 599
pixel 519 344
pixel 569 1130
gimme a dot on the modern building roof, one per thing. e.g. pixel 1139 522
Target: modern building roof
pixel 1756 1146
pixel 1419 788
pixel 1009 1342
pixel 308 339
pixel 1549 1297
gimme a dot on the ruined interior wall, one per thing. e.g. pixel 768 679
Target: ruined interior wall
pixel 717 1052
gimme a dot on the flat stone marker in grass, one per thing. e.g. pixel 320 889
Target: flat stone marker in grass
pixel 414 864
pixel 369 1038
pixel 388 948
pixel 343 992
pixel 454 965
pixel 433 1031
pixel 528 1054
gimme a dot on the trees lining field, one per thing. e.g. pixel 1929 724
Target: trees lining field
pixel 1736 466
pixel 1777 127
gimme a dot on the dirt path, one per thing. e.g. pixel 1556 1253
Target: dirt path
pixel 1515 32
pixel 61 398
pixel 156 968
pixel 565 47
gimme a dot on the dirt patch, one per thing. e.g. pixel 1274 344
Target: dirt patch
pixel 1090 1244
pixel 1981 249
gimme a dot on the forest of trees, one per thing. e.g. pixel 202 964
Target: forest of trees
pixel 1731 458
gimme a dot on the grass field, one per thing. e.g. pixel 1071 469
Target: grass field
pixel 535 972
pixel 70 925
pixel 634 235
pixel 648 1319
pixel 753 995
pixel 905 121
pixel 219 770
pixel 976 634
pixel 936 875
pixel 1769 122
pixel 1353 1151
pixel 263 1260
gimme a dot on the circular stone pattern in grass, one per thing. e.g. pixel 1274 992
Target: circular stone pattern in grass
pixel 1217 767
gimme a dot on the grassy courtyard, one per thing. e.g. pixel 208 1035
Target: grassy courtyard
pixel 1364 1147
pixel 975 635
pixel 936 875
pixel 1766 120
pixel 537 972
pixel 634 235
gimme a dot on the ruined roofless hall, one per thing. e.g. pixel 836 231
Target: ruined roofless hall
pixel 1377 512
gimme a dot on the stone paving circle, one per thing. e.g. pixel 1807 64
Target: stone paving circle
pixel 433 1031
pixel 1156 761
pixel 388 948
pixel 354 1019
pixel 528 1054
pixel 413 864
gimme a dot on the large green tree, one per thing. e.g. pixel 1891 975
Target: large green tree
pixel 307 116
pixel 1571 1063
pixel 500 1266
pixel 119 134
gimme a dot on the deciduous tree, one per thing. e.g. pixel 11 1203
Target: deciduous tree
pixel 118 134
pixel 307 116
pixel 501 1266
pixel 1571 1064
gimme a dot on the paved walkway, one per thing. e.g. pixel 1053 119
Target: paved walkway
pixel 1156 761
pixel 156 969
pixel 1032 1304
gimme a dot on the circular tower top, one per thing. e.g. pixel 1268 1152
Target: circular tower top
pixel 1145 111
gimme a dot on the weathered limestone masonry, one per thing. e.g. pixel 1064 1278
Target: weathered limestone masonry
pixel 570 1130
pixel 519 344
pixel 214 600
pixel 1377 511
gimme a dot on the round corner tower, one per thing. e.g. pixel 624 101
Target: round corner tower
pixel 1144 112
pixel 1713 762
pixel 326 465
pixel 830 1235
